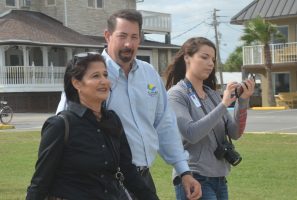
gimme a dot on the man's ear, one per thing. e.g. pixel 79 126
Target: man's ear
pixel 107 35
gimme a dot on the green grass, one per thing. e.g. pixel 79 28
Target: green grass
pixel 268 169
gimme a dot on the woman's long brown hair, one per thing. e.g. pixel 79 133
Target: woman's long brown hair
pixel 176 71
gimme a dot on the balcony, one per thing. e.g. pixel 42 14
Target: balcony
pixel 280 53
pixel 31 78
pixel 155 22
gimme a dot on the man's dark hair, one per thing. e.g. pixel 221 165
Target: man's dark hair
pixel 128 14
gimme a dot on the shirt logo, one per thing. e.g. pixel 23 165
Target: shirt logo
pixel 152 90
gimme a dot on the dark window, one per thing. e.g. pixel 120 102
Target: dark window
pixel 95 3
pixel 283 30
pixel 144 58
pixel 10 3
pixel 27 2
pixel 99 3
pixel 282 82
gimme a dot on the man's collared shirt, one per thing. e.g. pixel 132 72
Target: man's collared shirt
pixel 140 100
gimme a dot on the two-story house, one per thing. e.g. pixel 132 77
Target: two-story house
pixel 283 13
pixel 38 37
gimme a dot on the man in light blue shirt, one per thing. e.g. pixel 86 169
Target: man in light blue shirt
pixel 139 98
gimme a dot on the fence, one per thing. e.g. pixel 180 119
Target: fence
pixel 280 53
pixel 31 75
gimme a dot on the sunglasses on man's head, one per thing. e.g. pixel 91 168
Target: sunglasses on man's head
pixel 78 57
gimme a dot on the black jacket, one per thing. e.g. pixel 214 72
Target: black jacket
pixel 83 167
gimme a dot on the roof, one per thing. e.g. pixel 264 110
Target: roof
pixel 268 9
pixel 30 27
pixel 36 28
pixel 143 44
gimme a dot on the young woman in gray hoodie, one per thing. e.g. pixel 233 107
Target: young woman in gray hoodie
pixel 202 116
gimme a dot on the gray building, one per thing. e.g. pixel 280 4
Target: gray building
pixel 38 37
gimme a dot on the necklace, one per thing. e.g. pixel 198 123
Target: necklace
pixel 201 94
pixel 98 115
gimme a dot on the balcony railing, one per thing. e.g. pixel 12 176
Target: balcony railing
pixel 155 22
pixel 280 53
pixel 31 76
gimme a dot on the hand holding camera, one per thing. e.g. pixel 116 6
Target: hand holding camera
pixel 246 88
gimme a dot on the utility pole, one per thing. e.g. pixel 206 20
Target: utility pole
pixel 218 58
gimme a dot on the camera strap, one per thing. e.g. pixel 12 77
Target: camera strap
pixel 191 91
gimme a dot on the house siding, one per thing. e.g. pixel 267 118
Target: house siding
pixel 78 12
pixel 87 21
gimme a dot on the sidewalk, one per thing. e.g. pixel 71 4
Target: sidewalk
pixel 269 108
pixel 26 122
pixel 4 126
pixel 264 120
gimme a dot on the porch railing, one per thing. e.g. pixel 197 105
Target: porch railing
pixel 155 22
pixel 280 53
pixel 31 75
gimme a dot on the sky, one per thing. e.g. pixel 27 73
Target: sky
pixel 192 18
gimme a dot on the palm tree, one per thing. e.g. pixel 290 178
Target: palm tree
pixel 259 31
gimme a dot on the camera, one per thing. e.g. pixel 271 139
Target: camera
pixel 239 89
pixel 227 150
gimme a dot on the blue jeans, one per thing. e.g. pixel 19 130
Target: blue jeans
pixel 213 188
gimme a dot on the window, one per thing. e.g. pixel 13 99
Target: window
pixel 144 58
pixel 26 3
pixel 95 3
pixel 50 2
pixel 11 3
pixel 99 3
pixel 285 31
pixel 281 82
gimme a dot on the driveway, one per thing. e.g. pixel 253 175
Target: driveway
pixel 274 121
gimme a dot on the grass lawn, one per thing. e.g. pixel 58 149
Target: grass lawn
pixel 268 169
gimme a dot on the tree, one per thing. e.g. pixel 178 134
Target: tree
pixel 234 61
pixel 259 31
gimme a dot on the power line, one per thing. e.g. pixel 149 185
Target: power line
pixel 177 36
pixel 234 28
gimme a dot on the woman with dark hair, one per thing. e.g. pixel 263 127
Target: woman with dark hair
pixel 202 116
pixel 95 160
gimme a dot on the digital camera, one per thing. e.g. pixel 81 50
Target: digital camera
pixel 239 89
pixel 227 150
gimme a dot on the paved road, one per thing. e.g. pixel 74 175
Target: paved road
pixel 28 121
pixel 274 121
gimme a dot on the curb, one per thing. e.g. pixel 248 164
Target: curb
pixel 270 133
pixel 269 108
pixel 3 126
